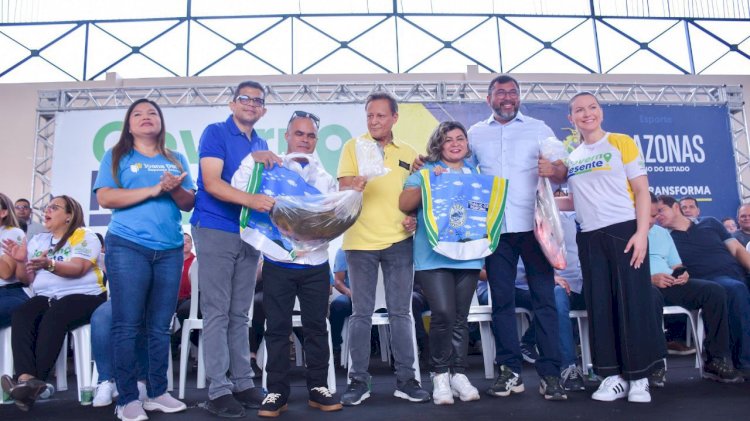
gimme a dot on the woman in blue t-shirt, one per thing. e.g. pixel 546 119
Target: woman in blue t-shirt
pixel 146 185
pixel 448 284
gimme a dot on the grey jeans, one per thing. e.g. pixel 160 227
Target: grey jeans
pixel 226 272
pixel 398 279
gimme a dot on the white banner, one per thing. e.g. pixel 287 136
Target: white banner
pixel 82 137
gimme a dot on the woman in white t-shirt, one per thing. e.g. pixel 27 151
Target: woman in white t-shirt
pixel 609 189
pixel 61 267
pixel 12 294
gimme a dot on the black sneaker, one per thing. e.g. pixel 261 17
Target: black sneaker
pixel 323 399
pixel 412 391
pixel 356 392
pixel 572 379
pixel 507 382
pixel 273 405
pixel 719 370
pixel 658 377
pixel 225 406
pixel 549 387
pixel 529 354
pixel 250 398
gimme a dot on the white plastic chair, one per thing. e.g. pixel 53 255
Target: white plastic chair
pixel 581 317
pixel 188 325
pixel 82 360
pixel 381 320
pixel 6 355
pixel 297 322
pixel 482 314
pixel 696 329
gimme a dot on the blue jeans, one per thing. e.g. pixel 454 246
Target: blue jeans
pixel 102 349
pixel 738 307
pixel 143 289
pixel 11 297
pixel 501 274
pixel 563 303
pixel 341 308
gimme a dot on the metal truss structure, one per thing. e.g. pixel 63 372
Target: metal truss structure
pixel 52 102
pixel 588 37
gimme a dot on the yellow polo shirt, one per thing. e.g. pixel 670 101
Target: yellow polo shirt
pixel 379 225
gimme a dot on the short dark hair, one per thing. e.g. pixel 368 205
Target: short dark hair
pixel 690 198
pixel 502 79
pixel 437 140
pixel 669 201
pixel 23 200
pixel 248 84
pixel 383 95
pixel 654 199
pixel 727 218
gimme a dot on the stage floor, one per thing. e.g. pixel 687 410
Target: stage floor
pixel 685 397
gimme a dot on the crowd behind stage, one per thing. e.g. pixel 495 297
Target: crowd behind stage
pixel 628 254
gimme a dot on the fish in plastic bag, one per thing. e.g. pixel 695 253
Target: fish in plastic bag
pixel 305 219
pixel 548 228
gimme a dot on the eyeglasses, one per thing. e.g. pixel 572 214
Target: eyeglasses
pixel 501 93
pixel 53 207
pixel 249 100
pixel 22 207
pixel 305 114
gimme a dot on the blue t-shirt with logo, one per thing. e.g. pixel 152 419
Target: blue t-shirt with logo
pixel 155 223
pixel 227 142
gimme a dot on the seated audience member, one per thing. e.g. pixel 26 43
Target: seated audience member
pixel 568 296
pixel 681 289
pixel 730 224
pixel 689 208
pixel 183 295
pixel 12 294
pixel 61 266
pixel 742 233
pixel 709 252
pixel 102 350
pixel 25 216
pixel 341 306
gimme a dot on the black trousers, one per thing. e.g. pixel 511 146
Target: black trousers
pixel 625 336
pixel 40 326
pixel 280 286
pixel 712 299
pixel 449 293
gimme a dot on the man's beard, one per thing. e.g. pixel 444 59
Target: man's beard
pixel 506 116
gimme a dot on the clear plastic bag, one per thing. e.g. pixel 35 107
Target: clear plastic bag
pixel 369 159
pixel 548 228
pixel 310 222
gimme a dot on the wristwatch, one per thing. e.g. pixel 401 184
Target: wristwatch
pixel 51 266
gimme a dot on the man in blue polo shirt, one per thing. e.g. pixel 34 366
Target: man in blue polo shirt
pixel 709 252
pixel 677 287
pixel 227 264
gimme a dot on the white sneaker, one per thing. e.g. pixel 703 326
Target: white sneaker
pixel 164 403
pixel 612 388
pixel 441 389
pixel 462 388
pixel 133 411
pixel 105 392
pixel 639 391
pixel 142 391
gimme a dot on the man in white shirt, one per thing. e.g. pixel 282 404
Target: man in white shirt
pixel 507 145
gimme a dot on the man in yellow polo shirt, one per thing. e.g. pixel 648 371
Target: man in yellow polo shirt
pixel 381 236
